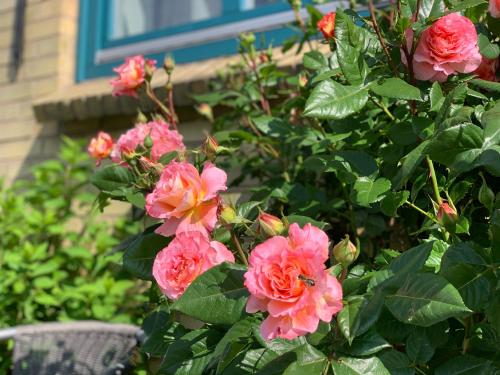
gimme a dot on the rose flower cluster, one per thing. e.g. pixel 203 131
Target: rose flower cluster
pixel 286 277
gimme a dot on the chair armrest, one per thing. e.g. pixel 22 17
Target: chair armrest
pixel 7 333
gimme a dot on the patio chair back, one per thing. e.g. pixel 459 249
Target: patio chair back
pixel 77 348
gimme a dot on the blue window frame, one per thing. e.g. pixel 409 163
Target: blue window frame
pixel 99 50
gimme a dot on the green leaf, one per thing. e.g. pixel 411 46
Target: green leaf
pixel 168 157
pixel 359 366
pixel 331 100
pixel 461 5
pixel 436 97
pixel 359 314
pixel 396 362
pixel 139 255
pixel 217 296
pixel 241 330
pixel 314 60
pixel 488 85
pixel 112 177
pixel 425 299
pixel 487 49
pixel 190 354
pixel 304 359
pixel 419 347
pixel 465 365
pixel 160 333
pixel 368 191
pixel 450 142
pixel 454 100
pixel 396 88
pixel 367 344
pixel 392 201
pixel 491 124
pixel 412 260
pixel 409 164
pixel 351 63
pixel 250 361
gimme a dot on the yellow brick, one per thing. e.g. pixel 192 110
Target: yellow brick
pixel 42 87
pixel 43 10
pixel 7 5
pixel 6 37
pixel 40 48
pixel 38 68
pixel 7 20
pixel 16 111
pixel 15 91
pixel 20 149
pixel 17 130
pixel 5 56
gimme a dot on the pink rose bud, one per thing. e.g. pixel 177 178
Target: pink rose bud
pixel 327 25
pixel 494 8
pixel 186 257
pixel 488 69
pixel 345 252
pixel 449 46
pixel 447 216
pixel 227 215
pixel 270 225
pixel 131 75
pixel 185 199
pixel 287 278
pixel 100 147
pixel 210 147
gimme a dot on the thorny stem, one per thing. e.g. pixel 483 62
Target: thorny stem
pixel 421 211
pixel 381 39
pixel 170 96
pixel 383 108
pixel 241 253
pixel 434 180
pixel 152 96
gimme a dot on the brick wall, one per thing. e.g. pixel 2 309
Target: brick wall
pixel 46 49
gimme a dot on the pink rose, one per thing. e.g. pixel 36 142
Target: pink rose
pixel 287 278
pixel 164 140
pixel 100 147
pixel 447 47
pixel 186 200
pixel 186 257
pixel 494 8
pixel 488 69
pixel 131 75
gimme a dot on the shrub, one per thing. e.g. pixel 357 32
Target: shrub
pixel 56 260
pixel 386 145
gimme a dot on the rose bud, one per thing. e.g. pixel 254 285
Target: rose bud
pixel 205 110
pixel 210 147
pixel 169 64
pixel 270 225
pixel 327 25
pixel 227 215
pixel 447 216
pixel 100 147
pixel 345 252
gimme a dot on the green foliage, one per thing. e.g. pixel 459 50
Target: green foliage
pixel 352 143
pixel 56 257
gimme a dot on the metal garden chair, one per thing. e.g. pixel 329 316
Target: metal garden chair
pixel 75 348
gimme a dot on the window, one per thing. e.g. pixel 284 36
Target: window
pixel 190 30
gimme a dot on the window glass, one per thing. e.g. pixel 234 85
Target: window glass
pixel 134 17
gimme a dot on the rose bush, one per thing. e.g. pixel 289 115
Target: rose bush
pixel 370 242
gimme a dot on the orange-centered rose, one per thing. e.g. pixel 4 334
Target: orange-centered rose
pixel 327 25
pixel 185 199
pixel 100 147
